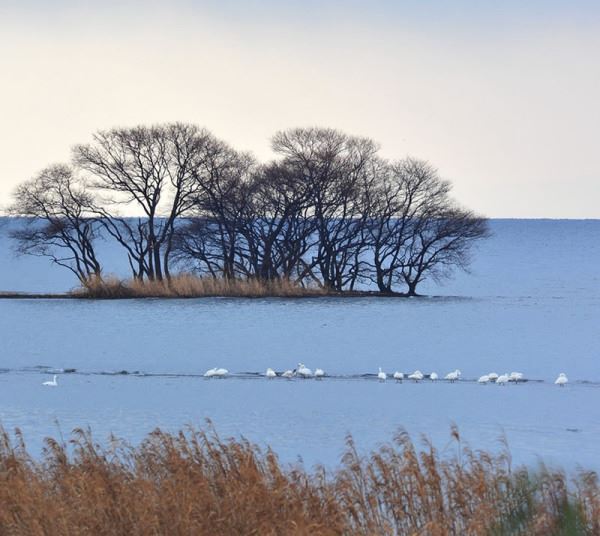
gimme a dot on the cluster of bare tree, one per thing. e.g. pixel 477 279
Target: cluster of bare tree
pixel 328 211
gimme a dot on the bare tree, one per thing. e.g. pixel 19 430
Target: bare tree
pixel 335 167
pixel 156 170
pixel 417 231
pixel 441 242
pixel 405 193
pixel 212 236
pixel 276 229
pixel 59 223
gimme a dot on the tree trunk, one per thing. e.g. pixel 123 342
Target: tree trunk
pixel 166 262
pixel 381 285
pixel 412 288
pixel 157 261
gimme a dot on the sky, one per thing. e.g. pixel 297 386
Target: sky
pixel 502 97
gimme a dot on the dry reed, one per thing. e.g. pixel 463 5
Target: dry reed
pixel 192 286
pixel 196 483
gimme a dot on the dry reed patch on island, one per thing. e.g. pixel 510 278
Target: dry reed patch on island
pixel 192 286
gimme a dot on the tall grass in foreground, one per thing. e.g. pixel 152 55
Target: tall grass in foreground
pixel 192 286
pixel 196 483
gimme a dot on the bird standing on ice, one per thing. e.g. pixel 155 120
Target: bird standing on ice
pixel 270 373
pixel 319 373
pixel 493 376
pixel 417 376
pixel 398 376
pixel 51 383
pixel 216 373
pixel 382 376
pixel 502 379
pixel 433 376
pixel 303 371
pixel 484 379
pixel 562 379
pixel 289 374
pixel 453 376
pixel 515 377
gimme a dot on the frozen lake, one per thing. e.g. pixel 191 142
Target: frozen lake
pixel 531 303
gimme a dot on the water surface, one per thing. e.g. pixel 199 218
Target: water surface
pixel 531 303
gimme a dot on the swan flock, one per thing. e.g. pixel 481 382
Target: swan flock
pixel 302 371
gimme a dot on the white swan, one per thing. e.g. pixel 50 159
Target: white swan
pixel 502 379
pixel 433 376
pixel 303 371
pixel 453 376
pixel 493 376
pixel 515 377
pixel 51 383
pixel 398 376
pixel 319 373
pixel 562 379
pixel 216 373
pixel 382 375
pixel 417 375
pixel 270 373
pixel 486 378
pixel 288 374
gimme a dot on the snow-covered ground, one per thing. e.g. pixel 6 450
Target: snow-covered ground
pixel 531 303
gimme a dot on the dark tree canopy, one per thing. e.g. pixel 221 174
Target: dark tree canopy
pixel 416 229
pixel 337 170
pixel 328 211
pixel 159 170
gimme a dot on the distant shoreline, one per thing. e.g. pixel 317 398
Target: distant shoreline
pixel 12 295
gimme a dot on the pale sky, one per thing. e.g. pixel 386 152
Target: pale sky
pixel 502 97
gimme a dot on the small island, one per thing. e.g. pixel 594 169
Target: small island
pixel 194 217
